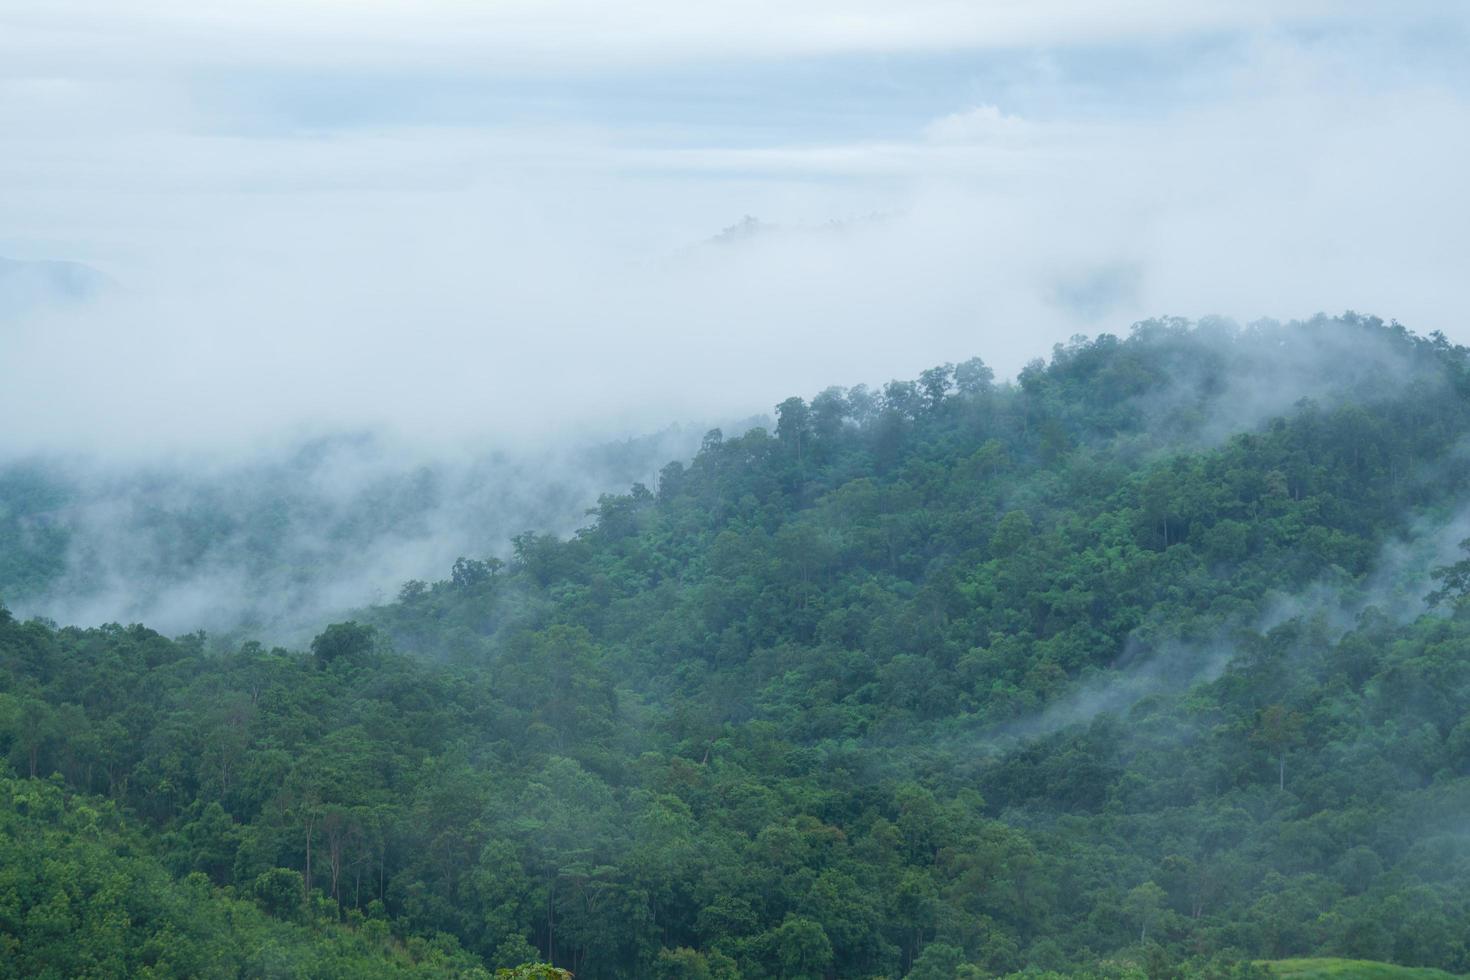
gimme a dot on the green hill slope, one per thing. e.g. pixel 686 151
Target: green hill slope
pixel 1122 667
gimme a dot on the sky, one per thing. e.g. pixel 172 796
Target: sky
pixel 501 221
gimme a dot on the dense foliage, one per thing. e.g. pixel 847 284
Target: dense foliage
pixel 1122 668
pixel 81 896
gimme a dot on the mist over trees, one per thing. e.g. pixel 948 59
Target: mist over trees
pixel 1124 668
pixel 269 542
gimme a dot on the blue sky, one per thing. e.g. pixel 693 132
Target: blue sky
pixel 448 204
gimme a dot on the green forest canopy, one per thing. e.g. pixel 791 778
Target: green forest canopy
pixel 1121 669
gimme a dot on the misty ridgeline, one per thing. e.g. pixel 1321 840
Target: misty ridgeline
pixel 1149 662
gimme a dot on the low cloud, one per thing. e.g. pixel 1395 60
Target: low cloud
pixel 307 253
pixel 274 545
pixel 456 286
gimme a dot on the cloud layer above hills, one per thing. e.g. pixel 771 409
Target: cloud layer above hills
pixel 463 221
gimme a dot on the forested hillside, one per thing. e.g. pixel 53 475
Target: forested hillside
pixel 264 544
pixel 1124 668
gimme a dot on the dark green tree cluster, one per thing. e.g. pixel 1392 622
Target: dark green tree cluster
pixel 1123 668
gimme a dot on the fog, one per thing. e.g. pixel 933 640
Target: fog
pixel 468 230
pixel 276 545
pixel 1396 589
pixel 440 239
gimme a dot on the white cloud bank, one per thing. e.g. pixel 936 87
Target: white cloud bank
pixel 528 272
pixel 580 35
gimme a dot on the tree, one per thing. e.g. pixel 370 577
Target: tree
pixel 343 641
pixel 32 724
pixel 1456 579
pixel 469 573
pixel 828 415
pixel 802 950
pixel 1014 532
pixel 939 961
pixel 278 891
pixel 793 426
pixel 1143 905
pixel 973 378
pixel 1278 730
pixel 935 383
